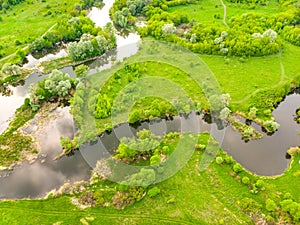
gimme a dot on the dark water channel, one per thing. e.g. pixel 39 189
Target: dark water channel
pixel 266 156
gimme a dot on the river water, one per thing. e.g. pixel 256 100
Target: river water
pixel 264 157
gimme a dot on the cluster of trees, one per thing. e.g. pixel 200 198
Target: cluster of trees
pixel 255 185
pixel 248 35
pixel 124 11
pixel 89 46
pixel 86 4
pixel 68 29
pixel 101 104
pixel 292 208
pixel 261 2
pixel 284 209
pixel 71 29
pixel 9 70
pixel 237 40
pixel 292 34
pixel 58 86
pixel 101 108
pixel 130 148
pixel 6 4
pixel 284 23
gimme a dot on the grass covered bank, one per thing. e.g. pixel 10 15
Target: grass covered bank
pixel 15 34
pixel 218 195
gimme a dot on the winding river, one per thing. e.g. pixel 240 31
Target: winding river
pixel 32 180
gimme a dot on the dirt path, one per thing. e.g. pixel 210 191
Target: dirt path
pixel 225 13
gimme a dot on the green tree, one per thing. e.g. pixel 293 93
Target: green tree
pixel 270 205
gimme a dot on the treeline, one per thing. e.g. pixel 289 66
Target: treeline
pixel 6 4
pixel 68 29
pixel 247 35
pixel 261 2
pixel 123 12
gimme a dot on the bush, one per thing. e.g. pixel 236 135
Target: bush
pixel 293 208
pixel 260 184
pixel 293 151
pixel 219 160
pixel 155 159
pixel 271 125
pixel 166 150
pixel 171 201
pixel 153 192
pixel 237 168
pixel 270 205
pixel 287 195
pixel 200 147
pixel 228 159
pixel 245 180
pixel 87 199
pixel 249 205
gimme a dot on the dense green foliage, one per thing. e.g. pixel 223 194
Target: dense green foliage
pixel 90 46
pixel 57 87
pixel 6 4
pixel 250 34
pixel 68 29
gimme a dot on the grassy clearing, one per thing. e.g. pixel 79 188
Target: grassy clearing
pixel 239 9
pixel 27 21
pixel 210 12
pixel 212 196
pixel 243 79
pixel 202 11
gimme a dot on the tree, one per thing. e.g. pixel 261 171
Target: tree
pixel 155 159
pixel 237 168
pixel 225 112
pixel 219 160
pixel 120 20
pixel 270 34
pixel 245 180
pixel 81 70
pixel 144 178
pixel 168 29
pixel 58 83
pixel 271 125
pixel 252 113
pixel 228 159
pixel 103 44
pixel 193 38
pixel 9 69
pixel 153 192
pixel 270 205
pixel 260 184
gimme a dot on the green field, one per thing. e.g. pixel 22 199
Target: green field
pixel 27 21
pixel 205 11
pixel 243 79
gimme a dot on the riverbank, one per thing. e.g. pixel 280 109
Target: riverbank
pixel 229 208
